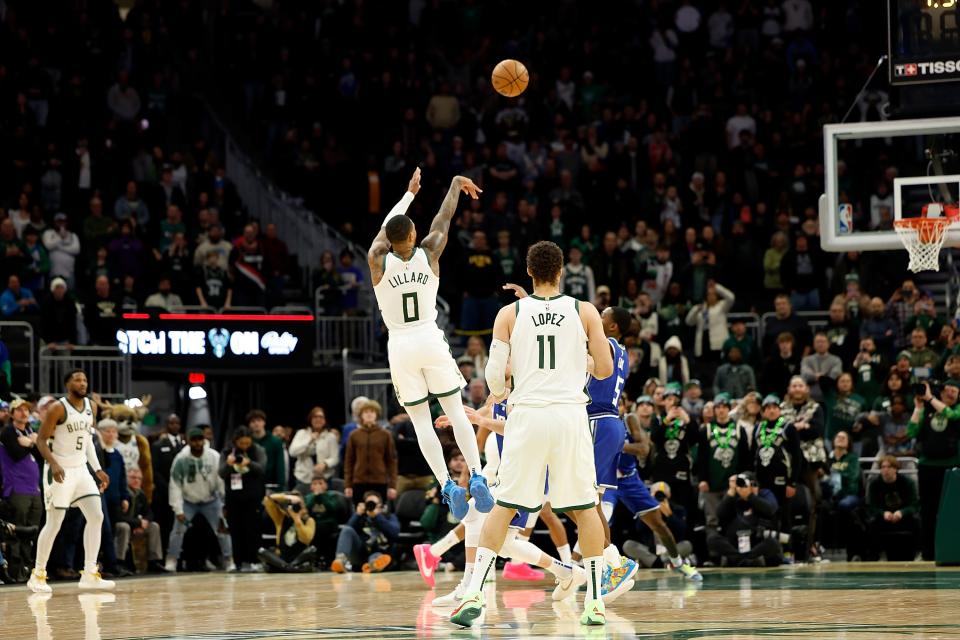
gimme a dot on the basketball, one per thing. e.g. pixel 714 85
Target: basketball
pixel 510 78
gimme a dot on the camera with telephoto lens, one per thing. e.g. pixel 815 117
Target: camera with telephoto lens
pixel 660 496
pixel 295 507
pixel 744 482
pixel 920 389
pixel 371 505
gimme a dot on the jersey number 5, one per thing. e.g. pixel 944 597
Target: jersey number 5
pixel 411 315
pixel 79 443
pixel 542 341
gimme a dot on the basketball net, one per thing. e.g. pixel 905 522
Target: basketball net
pixel 923 238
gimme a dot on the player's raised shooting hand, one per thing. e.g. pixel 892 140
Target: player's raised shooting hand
pixel 414 185
pixel 518 291
pixel 469 187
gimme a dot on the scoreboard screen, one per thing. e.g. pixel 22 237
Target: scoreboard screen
pixel 924 41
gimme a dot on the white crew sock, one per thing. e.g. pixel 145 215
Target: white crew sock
pixel 562 570
pixel 481 567
pixel 462 430
pixel 677 561
pixel 594 568
pixel 564 552
pixel 429 443
pixel 467 573
pixel 444 544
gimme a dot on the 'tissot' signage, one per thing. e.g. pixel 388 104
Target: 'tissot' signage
pixel 213 341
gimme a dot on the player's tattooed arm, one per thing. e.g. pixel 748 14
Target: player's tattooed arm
pixel 381 245
pixel 436 240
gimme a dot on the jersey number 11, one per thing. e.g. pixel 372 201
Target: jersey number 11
pixel 542 341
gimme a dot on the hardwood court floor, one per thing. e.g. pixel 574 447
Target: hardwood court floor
pixel 849 601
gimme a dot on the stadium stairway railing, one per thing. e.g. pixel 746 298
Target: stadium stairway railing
pixel 107 365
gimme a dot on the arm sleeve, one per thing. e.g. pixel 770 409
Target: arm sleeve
pixel 400 208
pixel 913 428
pixel 92 458
pixel 496 368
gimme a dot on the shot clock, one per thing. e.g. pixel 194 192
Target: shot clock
pixel 924 41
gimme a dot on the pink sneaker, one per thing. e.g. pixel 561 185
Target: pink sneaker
pixel 521 571
pixel 426 562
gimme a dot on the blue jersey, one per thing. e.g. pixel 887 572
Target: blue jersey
pixel 500 413
pixel 605 394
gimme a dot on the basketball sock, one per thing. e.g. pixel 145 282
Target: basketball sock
pixel 93 514
pixel 427 439
pixel 467 573
pixel 678 561
pixel 562 570
pixel 481 567
pixel 564 552
pixel 612 555
pixel 594 567
pixel 444 544
pixel 462 430
pixel 47 536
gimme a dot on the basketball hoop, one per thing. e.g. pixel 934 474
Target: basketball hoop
pixel 923 237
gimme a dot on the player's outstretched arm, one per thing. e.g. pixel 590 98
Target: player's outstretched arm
pixel 597 345
pixel 499 356
pixel 54 415
pixel 381 246
pixel 436 240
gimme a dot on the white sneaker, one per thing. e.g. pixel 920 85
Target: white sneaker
pixel 38 582
pixel 229 566
pixel 252 567
pixel 452 598
pixel 92 580
pixel 568 587
pixel 170 565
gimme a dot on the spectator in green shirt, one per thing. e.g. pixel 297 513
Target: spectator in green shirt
pixel 935 424
pixel 842 408
pixel 276 469
pixel 327 510
pixel 892 508
pixel 744 341
pixel 841 489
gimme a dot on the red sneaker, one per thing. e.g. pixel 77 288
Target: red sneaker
pixel 521 571
pixel 426 562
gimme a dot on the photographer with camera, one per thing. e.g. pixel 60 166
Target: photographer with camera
pixel 935 424
pixel 368 537
pixel 242 468
pixel 294 551
pixel 747 517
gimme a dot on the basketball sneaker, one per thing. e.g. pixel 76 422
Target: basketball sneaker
pixel 521 571
pixel 480 493
pixel 378 564
pixel 341 564
pixel 456 498
pixel 569 586
pixel 426 562
pixel 451 598
pixel 593 613
pixel 469 609
pixel 687 570
pixel 619 580
pixel 38 582
pixel 92 580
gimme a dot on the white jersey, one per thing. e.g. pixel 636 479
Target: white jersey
pixel 71 437
pixel 548 353
pixel 407 293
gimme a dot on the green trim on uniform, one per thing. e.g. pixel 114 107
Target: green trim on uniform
pixel 474 332
pixel 542 299
pixel 416 402
pixel 507 505
pixel 578 507
pixel 400 258
pixel 516 308
pixel 447 393
pixel 576 305
pixel 89 495
pixel 384 267
pixel 49 474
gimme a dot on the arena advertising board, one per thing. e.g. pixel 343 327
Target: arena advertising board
pixel 204 342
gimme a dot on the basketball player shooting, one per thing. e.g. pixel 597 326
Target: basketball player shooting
pixel 406 278
pixel 67 482
pixel 546 338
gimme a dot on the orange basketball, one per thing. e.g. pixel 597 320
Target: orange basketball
pixel 510 78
